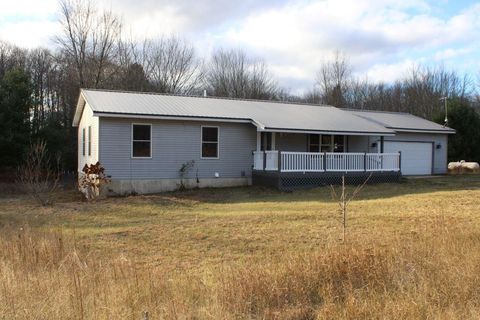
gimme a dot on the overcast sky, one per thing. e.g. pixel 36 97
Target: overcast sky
pixel 382 38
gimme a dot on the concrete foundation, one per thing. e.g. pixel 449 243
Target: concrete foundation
pixel 124 187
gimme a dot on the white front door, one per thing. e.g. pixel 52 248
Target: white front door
pixel 416 156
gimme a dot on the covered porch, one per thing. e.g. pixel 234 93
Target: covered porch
pixel 295 160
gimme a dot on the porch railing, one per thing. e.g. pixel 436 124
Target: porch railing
pixel 325 161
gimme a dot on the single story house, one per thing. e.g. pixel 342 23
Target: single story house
pixel 143 139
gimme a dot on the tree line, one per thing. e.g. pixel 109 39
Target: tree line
pixel 39 87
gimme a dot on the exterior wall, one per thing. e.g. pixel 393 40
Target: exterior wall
pixel 173 144
pixel 291 142
pixel 87 120
pixel 299 142
pixel 439 155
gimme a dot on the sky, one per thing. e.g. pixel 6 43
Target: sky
pixel 382 39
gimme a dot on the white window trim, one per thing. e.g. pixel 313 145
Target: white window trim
pixel 218 143
pixel 131 140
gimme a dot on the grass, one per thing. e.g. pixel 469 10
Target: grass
pixel 245 253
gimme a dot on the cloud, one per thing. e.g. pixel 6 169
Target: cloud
pixel 154 17
pixel 381 37
pixel 30 34
pixel 27 8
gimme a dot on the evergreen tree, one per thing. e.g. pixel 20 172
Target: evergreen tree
pixel 465 144
pixel 15 102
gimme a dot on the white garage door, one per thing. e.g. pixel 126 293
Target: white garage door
pixel 416 156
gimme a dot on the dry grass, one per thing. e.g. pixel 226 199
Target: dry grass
pixel 246 254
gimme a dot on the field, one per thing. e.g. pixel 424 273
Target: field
pixel 411 252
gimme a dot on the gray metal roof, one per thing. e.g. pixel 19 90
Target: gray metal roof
pixel 265 115
pixel 403 122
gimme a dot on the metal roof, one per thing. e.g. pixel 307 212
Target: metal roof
pixel 265 115
pixel 402 122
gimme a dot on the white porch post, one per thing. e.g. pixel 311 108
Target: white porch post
pixel 259 140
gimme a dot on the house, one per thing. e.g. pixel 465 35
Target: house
pixel 143 139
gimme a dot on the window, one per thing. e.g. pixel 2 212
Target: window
pixel 338 143
pixel 89 140
pixel 209 142
pixel 83 141
pixel 141 140
pixel 314 143
pixel 326 143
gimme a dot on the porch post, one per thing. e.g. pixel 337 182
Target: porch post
pixel 279 160
pixel 324 161
pixel 273 141
pixel 381 144
pixel 365 161
pixel 400 161
pixel 264 155
pixel 259 140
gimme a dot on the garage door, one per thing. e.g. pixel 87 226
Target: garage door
pixel 416 156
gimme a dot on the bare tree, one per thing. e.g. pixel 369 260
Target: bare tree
pixel 344 200
pixel 334 79
pixel 131 76
pixel 90 39
pixel 171 65
pixel 11 57
pixel 232 74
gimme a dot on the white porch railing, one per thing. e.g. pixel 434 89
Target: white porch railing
pixel 271 160
pixel 382 161
pixel 325 162
pixel 345 162
pixel 258 160
pixel 302 161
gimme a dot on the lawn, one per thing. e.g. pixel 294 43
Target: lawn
pixel 191 254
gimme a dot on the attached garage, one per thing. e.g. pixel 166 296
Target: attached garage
pixel 417 157
pixel 423 143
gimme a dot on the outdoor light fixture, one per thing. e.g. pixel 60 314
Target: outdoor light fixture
pixel 439 146
pixel 374 145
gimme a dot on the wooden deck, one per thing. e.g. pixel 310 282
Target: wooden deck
pixel 294 170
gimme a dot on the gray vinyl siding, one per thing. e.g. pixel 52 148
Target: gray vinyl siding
pixel 291 142
pixel 439 155
pixel 369 144
pixel 299 142
pixel 173 144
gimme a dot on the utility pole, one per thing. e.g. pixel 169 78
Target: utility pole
pixel 446 110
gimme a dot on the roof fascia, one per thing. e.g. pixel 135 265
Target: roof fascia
pixel 450 131
pixel 81 103
pixel 167 117
pixel 340 132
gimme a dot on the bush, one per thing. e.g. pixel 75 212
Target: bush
pixel 39 176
